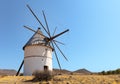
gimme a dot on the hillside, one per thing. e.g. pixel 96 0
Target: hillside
pixel 7 72
pixel 55 71
pixel 63 71
pixel 79 71
pixel 83 71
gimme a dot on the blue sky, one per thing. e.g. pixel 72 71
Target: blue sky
pixel 92 43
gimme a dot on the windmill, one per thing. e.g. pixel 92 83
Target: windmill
pixel 38 50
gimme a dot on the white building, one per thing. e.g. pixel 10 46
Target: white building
pixel 37 54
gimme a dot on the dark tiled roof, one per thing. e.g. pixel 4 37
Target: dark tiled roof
pixel 37 38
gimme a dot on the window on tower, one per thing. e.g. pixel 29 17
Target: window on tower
pixel 45 68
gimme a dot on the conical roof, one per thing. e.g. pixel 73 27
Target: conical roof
pixel 37 39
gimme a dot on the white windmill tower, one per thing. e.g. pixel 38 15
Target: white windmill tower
pixel 37 54
pixel 38 50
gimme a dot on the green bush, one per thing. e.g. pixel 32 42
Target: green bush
pixel 117 71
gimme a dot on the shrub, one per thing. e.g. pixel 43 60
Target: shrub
pixel 103 73
pixel 21 74
pixel 42 75
pixel 117 71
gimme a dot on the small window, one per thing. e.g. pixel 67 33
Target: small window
pixel 45 68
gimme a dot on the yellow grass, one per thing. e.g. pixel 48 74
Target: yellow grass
pixel 64 79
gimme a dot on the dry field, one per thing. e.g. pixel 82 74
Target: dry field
pixel 64 79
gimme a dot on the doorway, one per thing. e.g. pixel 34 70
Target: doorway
pixel 45 68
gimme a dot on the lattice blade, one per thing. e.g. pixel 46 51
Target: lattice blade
pixel 59 34
pixel 56 56
pixel 60 50
pixel 46 24
pixel 59 42
pixel 33 30
pixel 54 31
pixel 37 19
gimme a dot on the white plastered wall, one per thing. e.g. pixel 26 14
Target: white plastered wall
pixel 36 57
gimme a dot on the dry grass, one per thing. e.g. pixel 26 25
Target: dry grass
pixel 64 79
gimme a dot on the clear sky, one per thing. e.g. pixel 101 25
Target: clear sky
pixel 92 43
